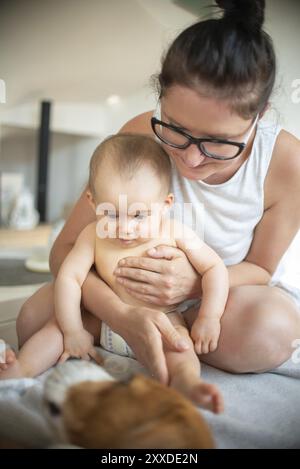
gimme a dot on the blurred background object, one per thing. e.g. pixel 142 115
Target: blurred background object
pixel 11 185
pixel 2 91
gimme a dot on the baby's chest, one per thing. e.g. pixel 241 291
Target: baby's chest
pixel 106 262
pixel 107 257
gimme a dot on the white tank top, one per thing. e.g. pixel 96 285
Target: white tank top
pixel 232 209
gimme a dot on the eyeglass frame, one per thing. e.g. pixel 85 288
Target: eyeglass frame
pixel 199 141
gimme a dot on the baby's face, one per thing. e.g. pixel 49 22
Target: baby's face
pixel 130 211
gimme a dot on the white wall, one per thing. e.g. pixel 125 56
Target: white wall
pixel 283 24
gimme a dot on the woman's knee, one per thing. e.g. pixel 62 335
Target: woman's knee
pixel 35 312
pixel 258 329
pixel 263 334
pixel 27 313
pixel 278 325
pixel 275 316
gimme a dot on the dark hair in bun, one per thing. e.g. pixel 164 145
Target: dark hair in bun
pixel 249 14
pixel 230 58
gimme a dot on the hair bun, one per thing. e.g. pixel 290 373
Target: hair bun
pixel 249 13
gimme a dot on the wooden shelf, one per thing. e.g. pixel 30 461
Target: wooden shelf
pixel 25 238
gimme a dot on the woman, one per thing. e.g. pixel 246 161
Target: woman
pixel 215 85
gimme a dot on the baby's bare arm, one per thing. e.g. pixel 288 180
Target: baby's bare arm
pixel 212 269
pixel 71 275
pixel 215 286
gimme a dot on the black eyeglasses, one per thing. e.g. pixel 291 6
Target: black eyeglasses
pixel 216 148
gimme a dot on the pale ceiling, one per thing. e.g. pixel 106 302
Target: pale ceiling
pixel 83 50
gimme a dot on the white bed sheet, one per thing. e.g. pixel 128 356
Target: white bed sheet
pixel 261 410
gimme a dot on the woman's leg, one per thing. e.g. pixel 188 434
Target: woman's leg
pixel 43 349
pixel 259 326
pixel 35 312
pixel 184 370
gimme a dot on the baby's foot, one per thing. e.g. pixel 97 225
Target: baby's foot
pixel 7 358
pixel 13 371
pixel 203 394
pixel 207 396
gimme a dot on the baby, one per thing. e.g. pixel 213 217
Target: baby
pixel 129 190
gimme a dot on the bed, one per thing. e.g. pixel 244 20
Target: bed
pixel 261 410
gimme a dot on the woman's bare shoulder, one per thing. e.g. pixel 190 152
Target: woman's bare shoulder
pixel 140 124
pixel 284 172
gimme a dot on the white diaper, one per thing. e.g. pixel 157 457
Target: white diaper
pixel 185 305
pixel 114 343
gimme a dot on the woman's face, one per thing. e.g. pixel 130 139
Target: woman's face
pixel 201 116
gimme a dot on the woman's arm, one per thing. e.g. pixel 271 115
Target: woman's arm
pixel 281 219
pixel 140 124
pixel 81 215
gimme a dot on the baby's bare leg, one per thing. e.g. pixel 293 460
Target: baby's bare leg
pixel 185 369
pixel 44 349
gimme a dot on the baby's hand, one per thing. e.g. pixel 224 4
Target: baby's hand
pixel 79 344
pixel 205 334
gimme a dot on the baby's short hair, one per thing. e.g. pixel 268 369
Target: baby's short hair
pixel 127 152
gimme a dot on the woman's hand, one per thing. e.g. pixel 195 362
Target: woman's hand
pixel 146 330
pixel 79 344
pixel 164 278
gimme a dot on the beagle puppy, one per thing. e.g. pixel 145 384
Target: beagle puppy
pixel 87 407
